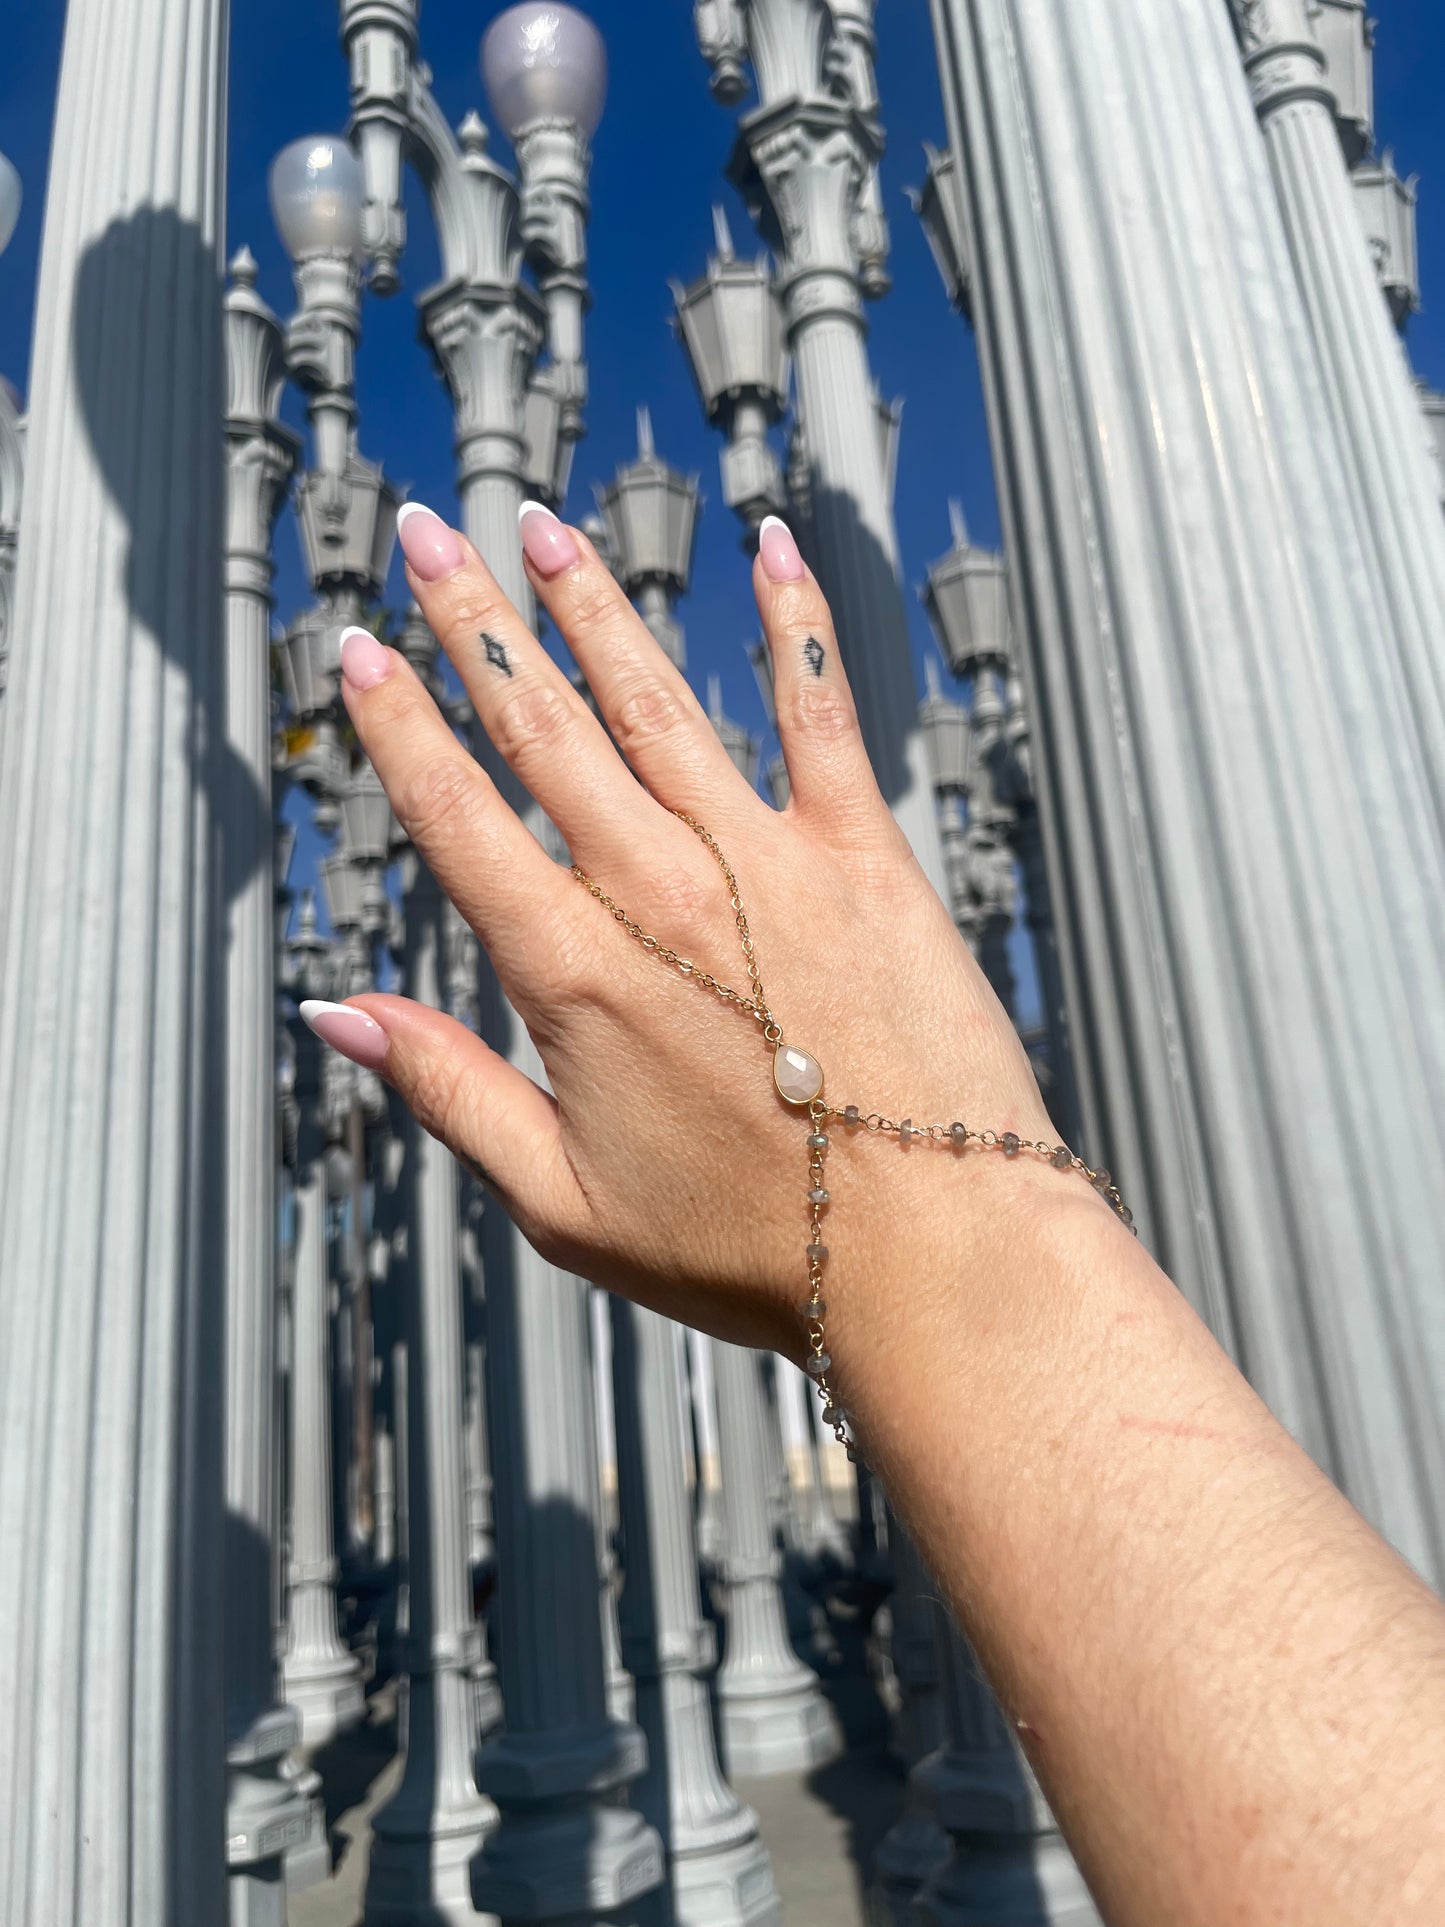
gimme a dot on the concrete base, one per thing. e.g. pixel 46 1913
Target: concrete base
pixel 784 1731
pixel 1028 1882
pixel 329 1698
pixel 577 1864
pixel 914 1851
pixel 308 1862
pixel 732 1889
pixel 425 1874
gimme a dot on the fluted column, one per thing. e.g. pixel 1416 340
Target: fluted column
pixel 719 1874
pixel 12 479
pixel 111 1102
pixel 807 161
pixel 323 1679
pixel 1242 974
pixel 1368 387
pixel 1007 1863
pixel 772 1716
pixel 263 1816
pixel 425 1836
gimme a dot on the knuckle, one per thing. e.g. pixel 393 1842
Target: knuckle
pixel 529 717
pixel 683 900
pixel 438 799
pixel 593 601
pixel 469 611
pixel 822 710
pixel 644 714
pixel 435 1097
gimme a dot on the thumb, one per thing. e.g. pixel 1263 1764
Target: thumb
pixel 494 1120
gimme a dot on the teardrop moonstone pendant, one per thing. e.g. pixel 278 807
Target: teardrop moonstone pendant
pixel 798 1076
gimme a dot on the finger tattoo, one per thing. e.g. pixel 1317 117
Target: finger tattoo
pixel 813 655
pixel 496 653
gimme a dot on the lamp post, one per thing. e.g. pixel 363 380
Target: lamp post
pixel 719 1873
pixel 772 1715
pixel 1194 602
pixel 731 327
pixel 264 1817
pixel 806 161
pixel 966 596
pixel 1367 397
pixel 649 513
pixel 111 1300
pixel 563 1843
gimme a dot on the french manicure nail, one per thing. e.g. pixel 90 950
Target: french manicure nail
pixel 347 1030
pixel 778 551
pixel 546 542
pixel 364 661
pixel 431 548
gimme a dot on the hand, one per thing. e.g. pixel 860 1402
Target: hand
pixel 663 1163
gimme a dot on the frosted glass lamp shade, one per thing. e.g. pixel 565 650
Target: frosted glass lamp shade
pixel 541 61
pixel 10 198
pixel 316 195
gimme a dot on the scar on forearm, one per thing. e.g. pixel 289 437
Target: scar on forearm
pixel 813 655
pixel 496 654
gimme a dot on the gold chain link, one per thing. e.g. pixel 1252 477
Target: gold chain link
pixel 818 1362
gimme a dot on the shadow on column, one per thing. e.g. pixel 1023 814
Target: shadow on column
pixel 149 289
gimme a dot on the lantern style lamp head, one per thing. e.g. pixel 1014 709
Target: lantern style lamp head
pixel 317 190
pixel 543 61
pixel 10 199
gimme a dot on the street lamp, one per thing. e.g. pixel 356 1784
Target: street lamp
pixel 316 195
pixel 10 199
pixel 731 327
pixel 966 596
pixel 649 511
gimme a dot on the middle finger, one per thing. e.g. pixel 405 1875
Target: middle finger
pixel 533 716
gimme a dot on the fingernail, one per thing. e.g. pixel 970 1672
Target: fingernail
pixel 546 542
pixel 428 544
pixel 778 551
pixel 348 1030
pixel 364 661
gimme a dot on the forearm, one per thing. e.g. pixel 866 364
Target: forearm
pixel 1232 1691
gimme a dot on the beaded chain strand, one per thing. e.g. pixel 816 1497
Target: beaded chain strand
pixel 799 1080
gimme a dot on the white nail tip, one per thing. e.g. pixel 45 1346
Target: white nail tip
pixel 353 630
pixel 540 507
pixel 414 508
pixel 314 1007
pixel 772 522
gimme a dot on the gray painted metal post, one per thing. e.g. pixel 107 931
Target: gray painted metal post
pixel 111 1101
pixel 719 1873
pixel 1188 584
pixel 807 161
pixel 772 1716
pixel 1368 389
pixel 323 1679
pixel 426 1835
pixel 264 1818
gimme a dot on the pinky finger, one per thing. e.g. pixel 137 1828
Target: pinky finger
pixel 829 774
pixel 494 1120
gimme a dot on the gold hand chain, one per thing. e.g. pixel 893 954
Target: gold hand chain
pixel 798 1079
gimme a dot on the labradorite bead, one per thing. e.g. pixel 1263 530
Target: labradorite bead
pixel 1010 1142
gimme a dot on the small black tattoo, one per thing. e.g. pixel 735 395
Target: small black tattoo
pixel 496 654
pixel 475 1170
pixel 813 655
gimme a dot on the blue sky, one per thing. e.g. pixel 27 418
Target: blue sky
pixel 658 160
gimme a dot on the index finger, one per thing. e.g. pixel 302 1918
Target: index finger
pixel 503 882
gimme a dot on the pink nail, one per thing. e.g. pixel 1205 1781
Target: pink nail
pixel 778 551
pixel 364 661
pixel 430 547
pixel 347 1030
pixel 546 543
